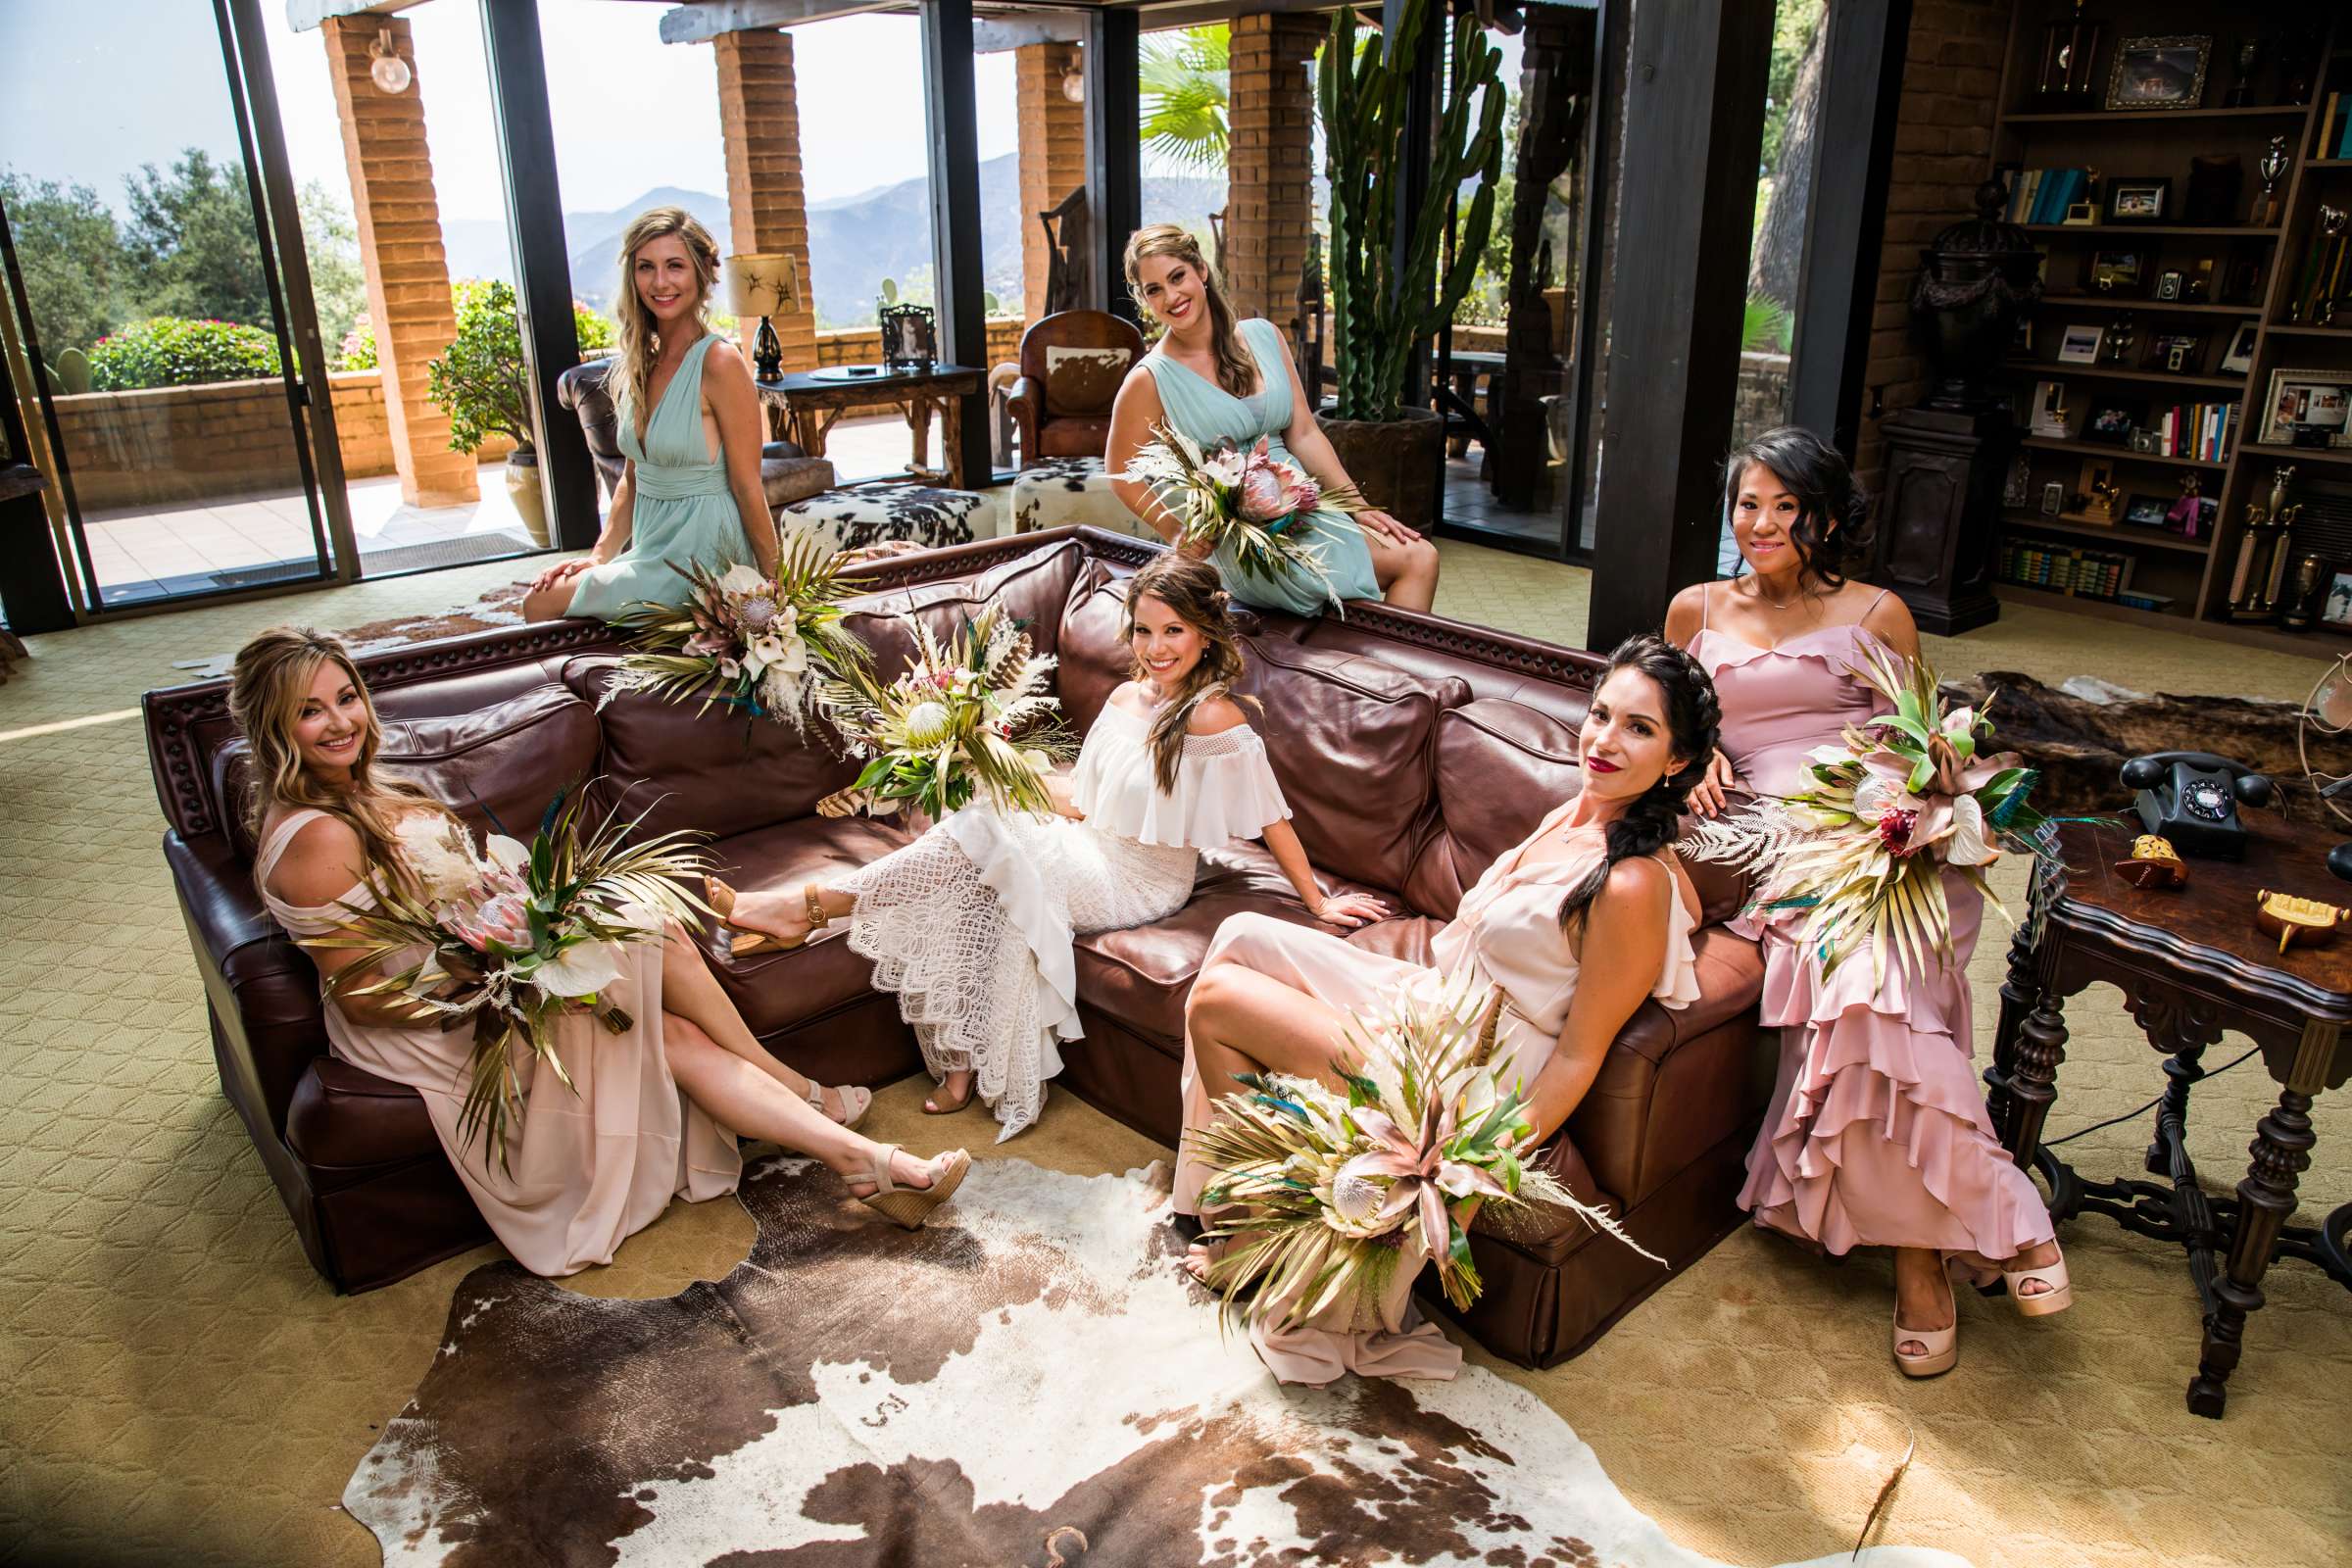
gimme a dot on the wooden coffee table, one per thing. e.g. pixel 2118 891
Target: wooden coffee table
pixel 2190 964
pixel 814 401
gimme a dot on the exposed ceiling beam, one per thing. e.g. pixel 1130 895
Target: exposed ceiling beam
pixel 303 16
pixel 713 19
pixel 996 34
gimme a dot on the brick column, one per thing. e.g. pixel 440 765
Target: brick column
pixel 400 248
pixel 1053 133
pixel 1943 144
pixel 767 204
pixel 1269 170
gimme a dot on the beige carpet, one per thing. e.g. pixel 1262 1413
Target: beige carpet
pixel 178 1388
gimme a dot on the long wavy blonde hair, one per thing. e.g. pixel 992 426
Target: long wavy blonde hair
pixel 1237 372
pixel 632 381
pixel 266 689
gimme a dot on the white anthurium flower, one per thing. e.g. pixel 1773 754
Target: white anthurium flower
pixel 767 651
pixel 794 658
pixel 1969 844
pixel 1830 755
pixel 508 855
pixel 579 970
pixel 742 579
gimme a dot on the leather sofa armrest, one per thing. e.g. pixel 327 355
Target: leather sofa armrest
pixel 1026 403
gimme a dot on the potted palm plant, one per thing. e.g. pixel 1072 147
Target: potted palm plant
pixel 1380 306
pixel 480 383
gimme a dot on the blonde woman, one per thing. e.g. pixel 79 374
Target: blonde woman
pixel 658 1108
pixel 1219 379
pixel 690 426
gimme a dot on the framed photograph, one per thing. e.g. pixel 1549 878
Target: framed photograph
pixel 2096 493
pixel 2080 345
pixel 2054 499
pixel 2159 73
pixel 2080 214
pixel 910 337
pixel 2140 201
pixel 2240 358
pixel 2147 512
pixel 2336 608
pixel 2118 272
pixel 2110 425
pixel 2051 416
pixel 2175 353
pixel 2308 400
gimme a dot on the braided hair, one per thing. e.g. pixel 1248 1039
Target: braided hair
pixel 1832 511
pixel 1193 590
pixel 1693 722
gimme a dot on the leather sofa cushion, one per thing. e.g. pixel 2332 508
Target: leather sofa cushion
pixel 782 989
pixel 346 1124
pixel 1527 681
pixel 1095 657
pixel 1353 745
pixel 712 772
pixel 1500 767
pixel 1032 588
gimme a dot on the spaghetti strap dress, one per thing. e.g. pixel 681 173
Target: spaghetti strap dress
pixel 683 512
pixel 1209 413
pixel 1505 932
pixel 583 1172
pixel 1877 1134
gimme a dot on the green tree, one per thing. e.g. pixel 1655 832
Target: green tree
pixel 1795 27
pixel 70 257
pixel 1185 83
pixel 479 381
pixel 189 242
pixel 330 243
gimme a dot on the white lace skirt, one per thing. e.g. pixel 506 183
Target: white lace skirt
pixel 972 923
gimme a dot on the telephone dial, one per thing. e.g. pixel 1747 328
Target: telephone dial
pixel 2191 798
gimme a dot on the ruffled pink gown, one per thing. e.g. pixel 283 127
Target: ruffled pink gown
pixel 1506 932
pixel 1879 1135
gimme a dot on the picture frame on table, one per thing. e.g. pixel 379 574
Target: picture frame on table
pixel 910 337
pixel 2147 512
pixel 2118 272
pixel 2158 74
pixel 2146 200
pixel 2312 400
pixel 2336 608
pixel 2054 499
pixel 2080 345
pixel 2175 353
pixel 2109 424
pixel 2240 355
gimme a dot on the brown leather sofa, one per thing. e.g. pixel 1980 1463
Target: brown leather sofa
pixel 1413 750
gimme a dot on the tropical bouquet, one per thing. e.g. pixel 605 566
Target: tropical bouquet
pixel 1335 1192
pixel 754 641
pixel 972 716
pixel 1861 849
pixel 514 937
pixel 1250 502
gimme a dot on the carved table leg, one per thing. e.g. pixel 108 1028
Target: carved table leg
pixel 2033 1080
pixel 951 437
pixel 2281 1150
pixel 918 421
pixel 2017 993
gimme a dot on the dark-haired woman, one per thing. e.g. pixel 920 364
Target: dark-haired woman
pixel 972 923
pixel 1581 923
pixel 1880 1137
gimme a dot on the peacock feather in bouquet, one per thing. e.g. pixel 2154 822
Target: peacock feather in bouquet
pixel 974 716
pixel 514 937
pixel 1335 1192
pixel 1860 850
pixel 1250 502
pixel 760 642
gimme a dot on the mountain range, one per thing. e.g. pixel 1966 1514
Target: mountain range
pixel 855 241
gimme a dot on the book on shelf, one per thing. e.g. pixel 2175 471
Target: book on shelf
pixel 2335 126
pixel 2042 195
pixel 2199 431
pixel 2081 572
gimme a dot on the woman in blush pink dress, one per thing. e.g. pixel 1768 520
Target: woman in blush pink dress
pixel 1879 1135
pixel 1579 925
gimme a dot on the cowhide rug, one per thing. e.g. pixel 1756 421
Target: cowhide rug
pixel 2080 746
pixel 500 606
pixel 1029 1381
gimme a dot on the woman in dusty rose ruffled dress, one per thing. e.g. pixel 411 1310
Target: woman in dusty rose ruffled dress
pixel 1878 1135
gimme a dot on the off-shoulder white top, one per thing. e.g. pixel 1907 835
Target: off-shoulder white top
pixel 1225 787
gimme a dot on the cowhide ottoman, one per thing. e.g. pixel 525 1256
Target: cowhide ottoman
pixel 1053 492
pixel 863 514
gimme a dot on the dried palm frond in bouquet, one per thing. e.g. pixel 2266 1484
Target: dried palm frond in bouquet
pixel 1862 848
pixel 1333 1193
pixel 514 937
pixel 974 716
pixel 1250 502
pixel 760 642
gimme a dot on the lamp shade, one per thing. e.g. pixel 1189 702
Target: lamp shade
pixel 765 284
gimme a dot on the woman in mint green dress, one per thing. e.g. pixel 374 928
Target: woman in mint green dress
pixel 1216 379
pixel 691 491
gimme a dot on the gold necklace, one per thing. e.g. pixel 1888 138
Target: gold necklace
pixel 1780 604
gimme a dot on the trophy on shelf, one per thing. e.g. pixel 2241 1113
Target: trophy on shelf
pixel 2303 595
pixel 2249 56
pixel 2116 347
pixel 2068 47
pixel 2273 170
pixel 2258 581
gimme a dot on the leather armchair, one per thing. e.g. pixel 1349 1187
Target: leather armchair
pixel 1072 366
pixel 786 473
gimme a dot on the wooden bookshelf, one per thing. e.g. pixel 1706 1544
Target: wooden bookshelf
pixel 2153 143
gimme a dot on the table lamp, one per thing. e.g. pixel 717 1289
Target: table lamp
pixel 765 284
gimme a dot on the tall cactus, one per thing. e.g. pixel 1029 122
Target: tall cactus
pixel 1378 312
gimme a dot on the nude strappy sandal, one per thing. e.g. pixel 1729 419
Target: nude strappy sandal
pixel 910 1206
pixel 722 899
pixel 854 1102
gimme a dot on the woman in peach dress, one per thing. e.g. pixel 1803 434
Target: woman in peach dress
pixel 658 1106
pixel 1580 924
pixel 1879 1135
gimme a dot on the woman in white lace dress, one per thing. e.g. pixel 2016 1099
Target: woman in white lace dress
pixel 654 1110
pixel 972 924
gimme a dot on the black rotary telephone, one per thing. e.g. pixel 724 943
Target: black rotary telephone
pixel 2191 798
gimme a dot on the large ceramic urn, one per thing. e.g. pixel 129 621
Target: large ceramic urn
pixel 1975 280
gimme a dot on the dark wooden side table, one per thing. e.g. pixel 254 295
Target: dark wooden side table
pixel 814 401
pixel 2190 964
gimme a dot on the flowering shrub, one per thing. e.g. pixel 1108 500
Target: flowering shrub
pixel 173 350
